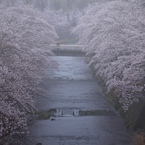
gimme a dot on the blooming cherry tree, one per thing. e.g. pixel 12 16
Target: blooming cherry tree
pixel 57 18
pixel 25 39
pixel 113 34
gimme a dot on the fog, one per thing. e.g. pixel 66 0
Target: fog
pixel 50 4
pixel 46 50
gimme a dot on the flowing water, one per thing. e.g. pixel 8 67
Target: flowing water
pixel 75 111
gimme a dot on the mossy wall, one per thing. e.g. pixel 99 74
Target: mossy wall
pixel 135 117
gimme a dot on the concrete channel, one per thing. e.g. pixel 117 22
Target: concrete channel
pixel 75 111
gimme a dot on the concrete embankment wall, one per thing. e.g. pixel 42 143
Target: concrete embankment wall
pixel 135 117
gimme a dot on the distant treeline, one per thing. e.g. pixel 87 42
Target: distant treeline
pixel 51 4
pixel 68 4
pixel 42 5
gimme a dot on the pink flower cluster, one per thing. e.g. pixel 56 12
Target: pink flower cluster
pixel 25 38
pixel 113 33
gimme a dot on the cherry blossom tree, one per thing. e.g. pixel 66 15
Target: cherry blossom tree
pixel 28 2
pixel 41 4
pixel 25 39
pixel 7 3
pixel 57 18
pixel 113 35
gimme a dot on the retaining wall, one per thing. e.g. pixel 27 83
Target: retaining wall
pixel 135 117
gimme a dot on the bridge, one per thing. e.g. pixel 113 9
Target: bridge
pixel 68 49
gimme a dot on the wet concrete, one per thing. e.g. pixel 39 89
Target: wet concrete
pixel 76 111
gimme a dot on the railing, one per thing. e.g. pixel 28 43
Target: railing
pixel 68 47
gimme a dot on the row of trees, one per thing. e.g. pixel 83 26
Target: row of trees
pixel 50 4
pixel 113 33
pixel 25 38
pixel 68 5
pixel 40 4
